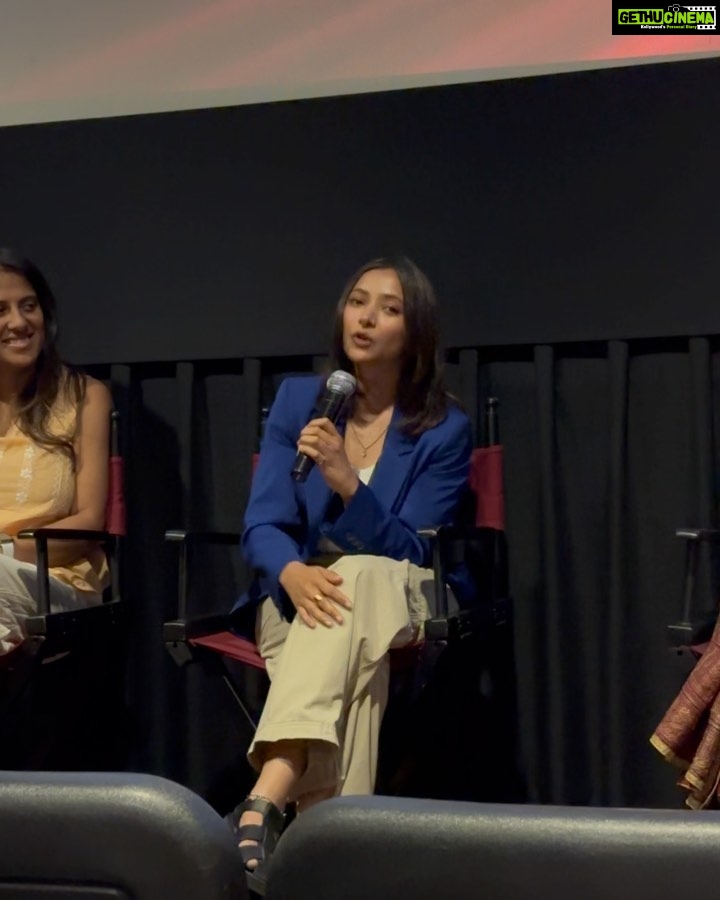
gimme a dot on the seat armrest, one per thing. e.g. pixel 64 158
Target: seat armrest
pixel 65 534
pixel 698 534
pixel 68 627
pixel 186 541
pixel 454 532
pixel 41 536
pixel 180 536
pixel 440 538
pixel 187 629
pixel 682 633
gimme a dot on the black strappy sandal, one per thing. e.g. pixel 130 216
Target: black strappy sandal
pixel 264 837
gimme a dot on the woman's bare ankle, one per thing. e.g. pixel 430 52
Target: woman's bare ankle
pixel 292 753
pixel 285 762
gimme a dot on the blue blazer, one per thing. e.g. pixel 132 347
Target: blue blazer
pixel 417 483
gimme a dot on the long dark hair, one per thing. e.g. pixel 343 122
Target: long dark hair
pixel 423 399
pixel 51 379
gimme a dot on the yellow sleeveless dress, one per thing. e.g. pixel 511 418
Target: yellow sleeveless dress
pixel 37 487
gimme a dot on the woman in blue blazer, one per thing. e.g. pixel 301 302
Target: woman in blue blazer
pixel 342 571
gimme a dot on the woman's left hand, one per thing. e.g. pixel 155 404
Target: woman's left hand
pixel 321 441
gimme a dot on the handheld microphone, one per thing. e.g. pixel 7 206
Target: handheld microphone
pixel 340 386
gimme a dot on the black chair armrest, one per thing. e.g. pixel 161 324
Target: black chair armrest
pixel 187 540
pixel 75 625
pixel 179 536
pixel 682 633
pixel 41 536
pixel 698 534
pixel 65 534
pixel 453 532
pixel 186 629
pixel 441 537
pixel 435 535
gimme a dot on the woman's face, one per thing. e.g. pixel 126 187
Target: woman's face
pixel 22 324
pixel 374 320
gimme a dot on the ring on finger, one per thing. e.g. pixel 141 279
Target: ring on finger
pixel 318 598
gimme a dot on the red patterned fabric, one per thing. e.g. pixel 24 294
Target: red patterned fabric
pixel 689 734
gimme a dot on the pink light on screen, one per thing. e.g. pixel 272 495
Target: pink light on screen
pixel 531 34
pixel 638 45
pixel 418 37
pixel 242 49
pixel 114 58
pixel 348 41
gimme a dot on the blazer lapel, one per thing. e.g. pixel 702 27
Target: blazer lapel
pixel 388 478
pixel 393 467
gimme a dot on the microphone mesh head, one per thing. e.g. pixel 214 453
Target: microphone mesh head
pixel 342 383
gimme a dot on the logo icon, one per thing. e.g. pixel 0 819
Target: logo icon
pixel 675 19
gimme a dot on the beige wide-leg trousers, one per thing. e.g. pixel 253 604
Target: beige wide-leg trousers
pixel 329 686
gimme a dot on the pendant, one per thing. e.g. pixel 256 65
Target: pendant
pixel 364 453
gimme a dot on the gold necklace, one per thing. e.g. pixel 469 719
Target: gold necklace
pixel 363 447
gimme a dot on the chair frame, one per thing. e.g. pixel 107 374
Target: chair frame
pixel 65 629
pixel 180 633
pixel 683 637
pixel 51 635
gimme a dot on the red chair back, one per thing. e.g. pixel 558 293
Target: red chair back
pixel 486 482
pixel 115 510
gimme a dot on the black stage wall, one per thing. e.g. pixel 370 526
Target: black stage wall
pixel 560 208
pixel 569 223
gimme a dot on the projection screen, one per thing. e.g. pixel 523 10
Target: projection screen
pixel 70 59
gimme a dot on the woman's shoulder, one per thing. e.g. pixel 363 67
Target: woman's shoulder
pixel 83 403
pixel 455 422
pixel 96 408
pixel 300 388
pixel 451 437
pixel 456 416
pixel 97 393
pixel 77 389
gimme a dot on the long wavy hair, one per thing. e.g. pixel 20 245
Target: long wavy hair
pixel 423 398
pixel 52 380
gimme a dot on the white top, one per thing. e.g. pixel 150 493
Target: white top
pixel 365 474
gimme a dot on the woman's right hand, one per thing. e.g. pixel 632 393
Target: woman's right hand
pixel 314 593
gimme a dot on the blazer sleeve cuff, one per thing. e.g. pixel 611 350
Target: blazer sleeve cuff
pixel 366 527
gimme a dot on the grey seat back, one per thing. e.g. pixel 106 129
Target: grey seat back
pixel 112 837
pixel 399 849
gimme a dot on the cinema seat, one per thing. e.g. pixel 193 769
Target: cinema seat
pixel 383 848
pixel 88 836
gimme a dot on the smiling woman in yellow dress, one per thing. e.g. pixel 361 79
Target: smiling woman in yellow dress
pixel 54 432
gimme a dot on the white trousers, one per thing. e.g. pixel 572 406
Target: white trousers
pixel 329 686
pixel 19 599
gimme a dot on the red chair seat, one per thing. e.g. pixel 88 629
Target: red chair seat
pixel 241 649
pixel 232 646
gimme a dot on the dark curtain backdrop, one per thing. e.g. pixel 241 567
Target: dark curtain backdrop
pixel 609 447
pixel 547 211
pixel 570 207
